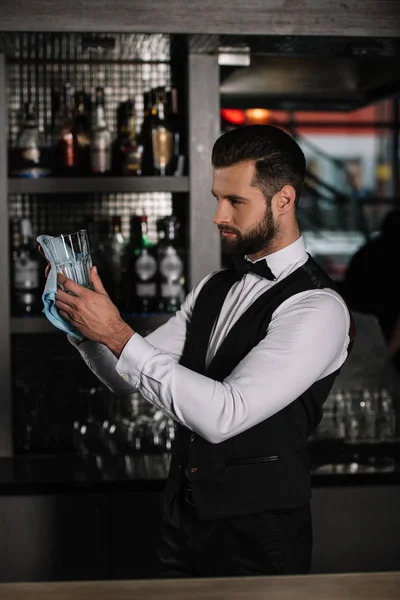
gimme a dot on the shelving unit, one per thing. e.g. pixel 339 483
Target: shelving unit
pixel 93 185
pixel 39 325
pixel 200 73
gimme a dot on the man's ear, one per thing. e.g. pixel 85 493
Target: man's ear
pixel 286 199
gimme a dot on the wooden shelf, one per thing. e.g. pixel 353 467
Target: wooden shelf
pixel 143 324
pixel 99 185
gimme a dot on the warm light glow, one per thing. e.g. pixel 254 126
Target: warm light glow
pixel 233 115
pixel 257 116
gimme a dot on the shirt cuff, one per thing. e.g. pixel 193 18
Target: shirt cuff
pixel 134 356
pixel 89 347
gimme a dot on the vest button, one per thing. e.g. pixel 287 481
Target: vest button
pixel 193 470
pixel 192 437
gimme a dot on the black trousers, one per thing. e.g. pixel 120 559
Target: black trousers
pixel 274 542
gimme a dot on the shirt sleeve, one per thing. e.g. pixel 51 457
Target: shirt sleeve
pixel 307 339
pixel 168 339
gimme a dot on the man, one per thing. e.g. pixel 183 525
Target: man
pixel 244 369
pixel 380 254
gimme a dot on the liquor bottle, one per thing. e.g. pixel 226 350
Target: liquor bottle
pixel 100 251
pixel 140 269
pixel 145 134
pixel 162 136
pixel 26 279
pixel 111 251
pixel 66 136
pixel 100 145
pixel 126 152
pixel 170 268
pixel 27 159
pixel 82 128
pixel 161 228
pixel 177 163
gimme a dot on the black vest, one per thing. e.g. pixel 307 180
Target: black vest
pixel 267 466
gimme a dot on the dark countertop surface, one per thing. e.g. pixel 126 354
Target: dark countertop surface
pixel 332 464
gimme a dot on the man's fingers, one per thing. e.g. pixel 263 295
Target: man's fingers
pixel 70 286
pixel 63 305
pixel 65 315
pixel 67 299
pixel 97 283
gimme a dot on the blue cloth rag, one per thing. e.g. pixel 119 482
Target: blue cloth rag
pixel 49 294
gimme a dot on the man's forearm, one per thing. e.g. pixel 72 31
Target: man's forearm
pixel 119 339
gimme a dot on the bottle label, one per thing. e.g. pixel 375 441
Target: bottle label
pixel 83 139
pixel 66 152
pixel 171 266
pixel 131 162
pixel 144 290
pixel 171 290
pixel 145 266
pixel 31 155
pixel 100 156
pixel 163 147
pixel 26 274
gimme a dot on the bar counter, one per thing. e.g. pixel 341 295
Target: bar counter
pixel 331 465
pixel 69 518
pixel 354 586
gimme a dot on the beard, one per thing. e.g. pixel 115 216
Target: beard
pixel 251 241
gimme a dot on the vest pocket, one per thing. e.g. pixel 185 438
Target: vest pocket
pixel 238 462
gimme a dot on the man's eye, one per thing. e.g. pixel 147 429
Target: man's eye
pixel 234 202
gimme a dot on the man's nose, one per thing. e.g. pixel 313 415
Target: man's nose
pixel 222 214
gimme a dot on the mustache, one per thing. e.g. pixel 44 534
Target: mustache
pixel 227 230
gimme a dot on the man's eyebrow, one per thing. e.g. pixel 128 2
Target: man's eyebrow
pixel 229 196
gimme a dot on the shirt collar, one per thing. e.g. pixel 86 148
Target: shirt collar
pixel 279 261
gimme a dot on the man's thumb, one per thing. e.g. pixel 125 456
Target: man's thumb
pixel 97 283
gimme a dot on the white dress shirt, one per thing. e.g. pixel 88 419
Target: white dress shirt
pixel 307 339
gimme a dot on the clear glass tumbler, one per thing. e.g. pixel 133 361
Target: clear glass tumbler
pixel 71 255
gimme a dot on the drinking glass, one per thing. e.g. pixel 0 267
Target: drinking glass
pixel 87 425
pixel 71 255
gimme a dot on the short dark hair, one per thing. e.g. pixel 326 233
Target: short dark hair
pixel 278 158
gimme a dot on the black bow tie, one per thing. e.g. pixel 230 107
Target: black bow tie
pixel 243 266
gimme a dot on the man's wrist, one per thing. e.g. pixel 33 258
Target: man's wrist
pixel 120 338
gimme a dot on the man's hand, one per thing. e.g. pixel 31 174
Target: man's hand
pixel 93 313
